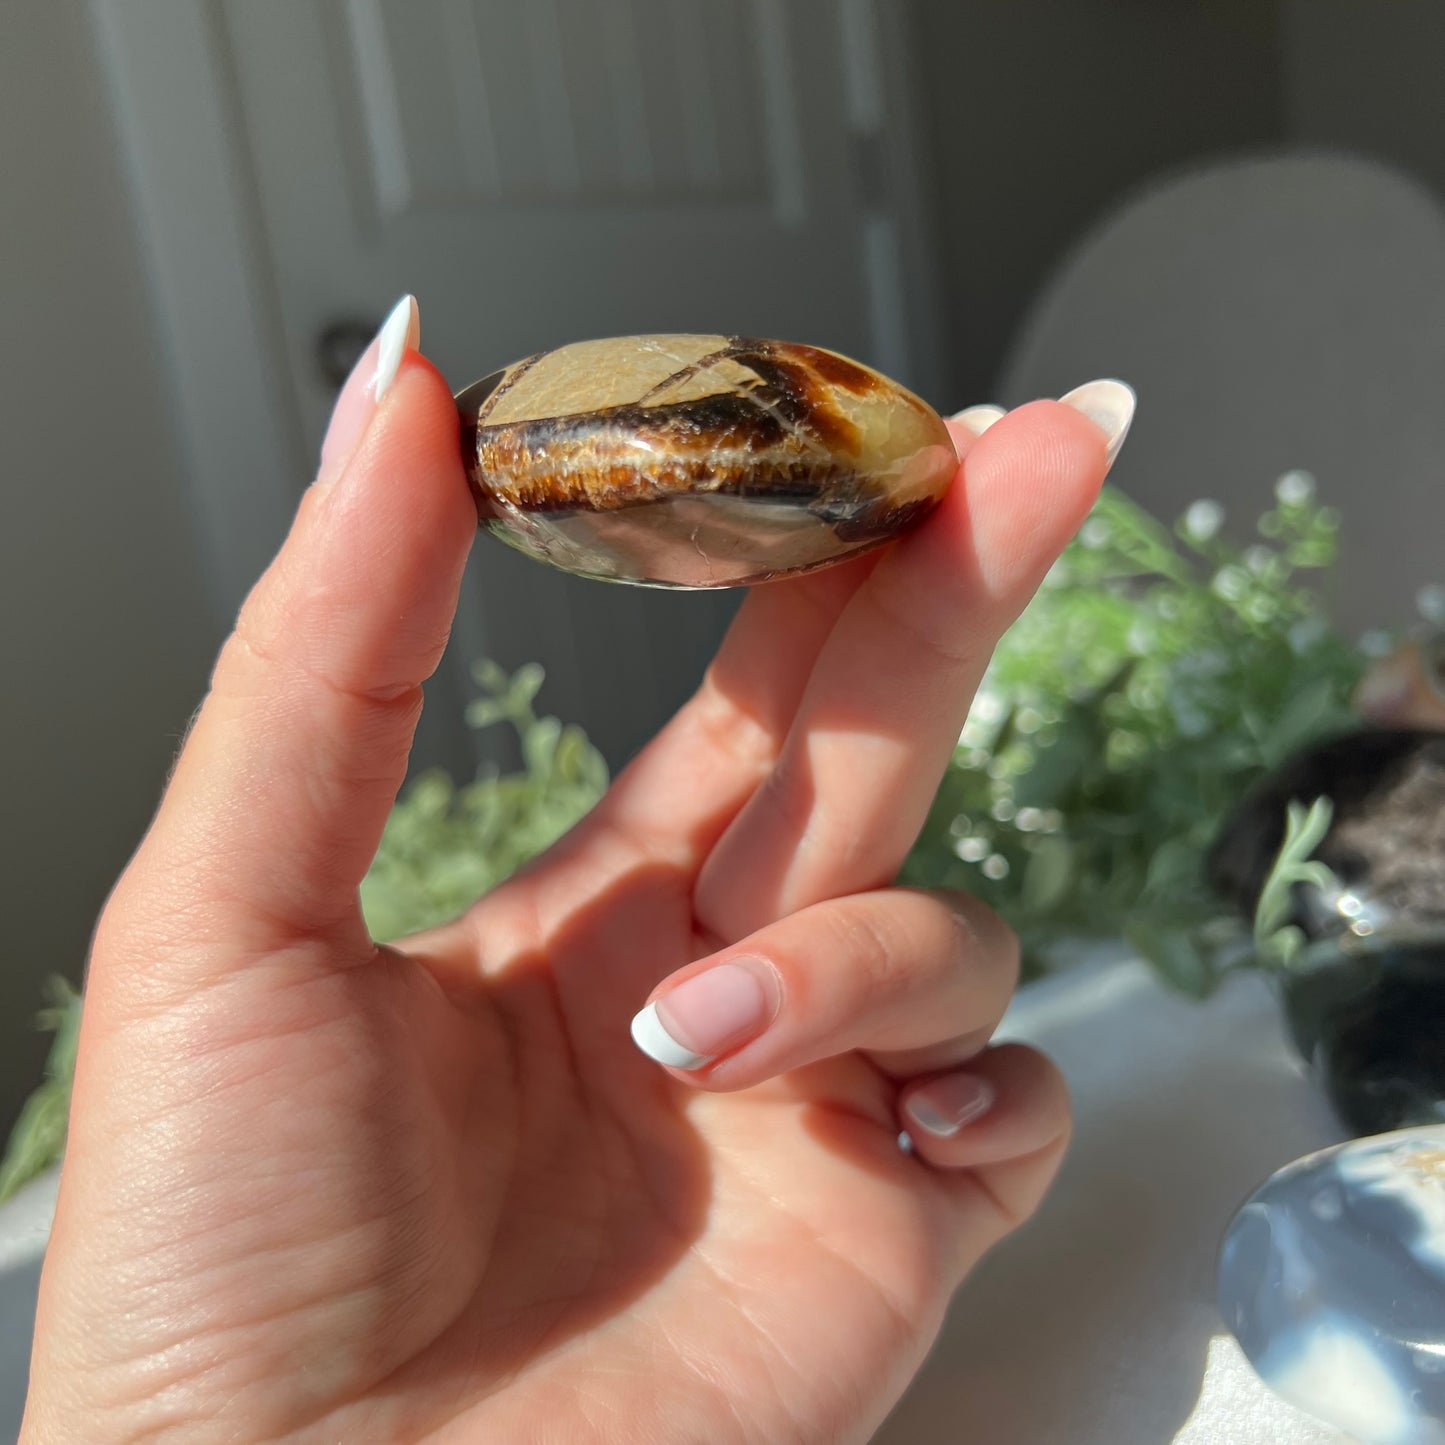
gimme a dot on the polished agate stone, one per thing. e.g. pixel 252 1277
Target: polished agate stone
pixel 1332 1278
pixel 699 461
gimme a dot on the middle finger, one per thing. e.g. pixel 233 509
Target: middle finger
pixel 882 710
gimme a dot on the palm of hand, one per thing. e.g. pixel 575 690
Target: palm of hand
pixel 320 1190
pixel 511 1225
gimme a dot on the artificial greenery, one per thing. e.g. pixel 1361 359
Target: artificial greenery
pixel 1155 677
pixel 444 846
pixel 1277 940
pixel 39 1134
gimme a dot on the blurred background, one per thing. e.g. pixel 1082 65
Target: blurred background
pixel 209 204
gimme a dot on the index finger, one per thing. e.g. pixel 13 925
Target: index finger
pixel 279 796
pixel 688 783
pixel 892 685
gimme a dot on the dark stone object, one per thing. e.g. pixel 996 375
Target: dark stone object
pixel 1365 1001
pixel 1368 1016
pixel 699 461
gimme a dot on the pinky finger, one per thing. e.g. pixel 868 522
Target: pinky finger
pixel 1005 1118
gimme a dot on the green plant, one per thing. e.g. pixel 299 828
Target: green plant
pixel 1155 677
pixel 39 1134
pixel 1277 941
pixel 444 846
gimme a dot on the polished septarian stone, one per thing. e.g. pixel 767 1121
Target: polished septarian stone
pixel 699 461
pixel 1332 1278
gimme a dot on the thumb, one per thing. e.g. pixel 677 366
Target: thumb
pixel 277 801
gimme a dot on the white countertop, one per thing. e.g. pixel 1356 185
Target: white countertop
pixel 1096 1325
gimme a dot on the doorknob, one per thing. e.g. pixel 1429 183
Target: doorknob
pixel 339 345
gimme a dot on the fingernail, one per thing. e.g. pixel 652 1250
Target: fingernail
pixel 1109 405
pixel 978 419
pixel 714 1011
pixel 373 373
pixel 400 333
pixel 945 1105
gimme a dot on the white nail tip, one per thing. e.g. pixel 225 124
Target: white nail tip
pixel 978 419
pixel 654 1040
pixel 400 333
pixel 1109 405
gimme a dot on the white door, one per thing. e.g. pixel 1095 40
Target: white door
pixel 536 171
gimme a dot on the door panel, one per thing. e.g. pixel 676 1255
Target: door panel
pixel 543 172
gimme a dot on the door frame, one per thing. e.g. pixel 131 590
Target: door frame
pixel 207 269
pixel 196 209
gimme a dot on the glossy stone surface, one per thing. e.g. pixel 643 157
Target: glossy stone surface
pixel 699 461
pixel 1332 1278
pixel 1368 1015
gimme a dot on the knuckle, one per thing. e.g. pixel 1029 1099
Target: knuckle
pixel 882 947
pixel 923 940
pixel 888 949
pixel 985 941
pixel 730 730
pixel 905 616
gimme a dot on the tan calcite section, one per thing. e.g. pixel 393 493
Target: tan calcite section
pixel 591 376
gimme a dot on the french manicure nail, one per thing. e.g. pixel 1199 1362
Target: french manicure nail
pixel 714 1011
pixel 978 419
pixel 1109 405
pixel 373 373
pixel 945 1105
pixel 400 333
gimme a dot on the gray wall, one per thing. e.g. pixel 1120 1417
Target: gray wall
pixel 1045 115
pixel 1041 113
pixel 103 642
pixel 1369 77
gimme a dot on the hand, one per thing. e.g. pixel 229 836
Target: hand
pixel 318 1189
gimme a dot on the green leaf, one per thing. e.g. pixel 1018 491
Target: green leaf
pixel 443 846
pixel 539 747
pixel 1177 956
pixel 1177 865
pixel 526 684
pixel 485 711
pixel 1047 875
pixel 1313 712
pixel 1277 939
pixel 490 676
pixel 38 1138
